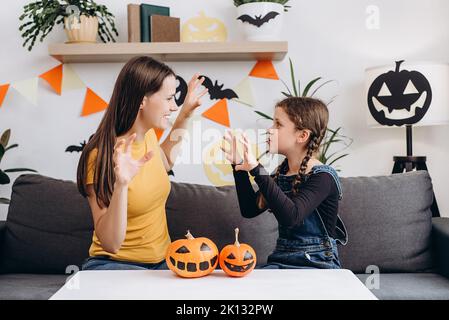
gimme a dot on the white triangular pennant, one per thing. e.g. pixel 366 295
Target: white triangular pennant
pixel 245 92
pixel 27 88
pixel 71 80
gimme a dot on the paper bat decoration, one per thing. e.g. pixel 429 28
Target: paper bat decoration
pixel 182 90
pixel 77 148
pixel 216 91
pixel 258 21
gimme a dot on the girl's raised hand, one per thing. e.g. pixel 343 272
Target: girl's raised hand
pixel 248 161
pixel 232 154
pixel 125 167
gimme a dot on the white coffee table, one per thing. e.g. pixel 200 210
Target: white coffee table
pixel 259 285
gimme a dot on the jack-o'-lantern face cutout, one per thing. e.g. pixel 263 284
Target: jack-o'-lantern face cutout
pixel 237 260
pixel 203 29
pixel 399 97
pixel 217 169
pixel 192 257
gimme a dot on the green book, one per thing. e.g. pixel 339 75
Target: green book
pixel 146 11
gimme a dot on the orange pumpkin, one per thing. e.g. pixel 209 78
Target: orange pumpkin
pixel 239 259
pixel 192 257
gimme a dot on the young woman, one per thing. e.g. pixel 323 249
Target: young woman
pixel 303 193
pixel 123 170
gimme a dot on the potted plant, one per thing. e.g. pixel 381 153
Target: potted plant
pixel 4 178
pixel 333 136
pixel 261 20
pixel 83 20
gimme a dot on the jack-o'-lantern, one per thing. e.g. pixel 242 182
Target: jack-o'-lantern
pixel 192 257
pixel 399 97
pixel 238 259
pixel 203 29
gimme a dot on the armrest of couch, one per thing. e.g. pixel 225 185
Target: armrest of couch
pixel 440 239
pixel 2 234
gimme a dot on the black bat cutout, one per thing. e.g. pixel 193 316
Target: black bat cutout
pixel 216 91
pixel 182 90
pixel 74 148
pixel 77 148
pixel 258 21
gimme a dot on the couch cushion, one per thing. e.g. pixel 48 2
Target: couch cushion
pixel 49 226
pixel 410 286
pixel 214 212
pixel 389 222
pixel 29 286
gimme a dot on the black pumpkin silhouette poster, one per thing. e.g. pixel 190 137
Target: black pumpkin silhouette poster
pixel 399 97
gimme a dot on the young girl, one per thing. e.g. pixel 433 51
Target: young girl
pixel 303 194
pixel 123 170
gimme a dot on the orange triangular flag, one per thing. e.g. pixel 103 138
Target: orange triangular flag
pixel 92 103
pixel 159 133
pixel 54 78
pixel 218 113
pixel 3 90
pixel 264 69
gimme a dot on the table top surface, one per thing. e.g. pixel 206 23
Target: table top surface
pixel 287 284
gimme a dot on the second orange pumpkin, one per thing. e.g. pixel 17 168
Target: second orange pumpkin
pixel 238 259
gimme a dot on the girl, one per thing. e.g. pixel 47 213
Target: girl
pixel 123 170
pixel 303 193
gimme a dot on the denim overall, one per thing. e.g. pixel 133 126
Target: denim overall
pixel 309 244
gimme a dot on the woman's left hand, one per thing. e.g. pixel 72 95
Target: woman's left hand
pixel 193 99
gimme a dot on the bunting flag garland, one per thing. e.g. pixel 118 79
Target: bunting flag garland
pixel 245 92
pixel 3 90
pixel 27 88
pixel 264 69
pixel 92 103
pixel 63 77
pixel 54 78
pixel 218 113
pixel 70 80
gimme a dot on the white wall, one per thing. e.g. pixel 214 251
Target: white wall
pixel 326 38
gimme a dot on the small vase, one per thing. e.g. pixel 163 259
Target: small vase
pixel 83 31
pixel 260 27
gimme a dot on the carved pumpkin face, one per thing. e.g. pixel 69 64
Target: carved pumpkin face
pixel 203 29
pixel 399 97
pixel 192 257
pixel 239 259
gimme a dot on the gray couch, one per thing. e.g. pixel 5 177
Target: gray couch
pixel 49 227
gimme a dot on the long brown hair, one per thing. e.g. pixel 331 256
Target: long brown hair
pixel 305 113
pixel 139 77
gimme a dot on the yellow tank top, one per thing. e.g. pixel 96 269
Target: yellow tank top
pixel 147 237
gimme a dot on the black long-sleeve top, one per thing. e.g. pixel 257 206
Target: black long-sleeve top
pixel 318 191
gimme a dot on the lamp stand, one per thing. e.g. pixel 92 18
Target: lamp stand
pixel 410 162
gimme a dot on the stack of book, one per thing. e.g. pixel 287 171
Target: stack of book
pixel 151 23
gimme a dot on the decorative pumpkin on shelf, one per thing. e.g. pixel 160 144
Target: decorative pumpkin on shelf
pixel 399 97
pixel 203 29
pixel 192 257
pixel 238 259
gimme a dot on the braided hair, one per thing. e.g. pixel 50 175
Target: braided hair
pixel 305 113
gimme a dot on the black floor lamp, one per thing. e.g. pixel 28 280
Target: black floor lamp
pixel 417 95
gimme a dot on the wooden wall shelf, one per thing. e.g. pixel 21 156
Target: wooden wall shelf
pixel 169 51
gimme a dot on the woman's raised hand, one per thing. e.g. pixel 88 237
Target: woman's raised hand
pixel 125 167
pixel 193 98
